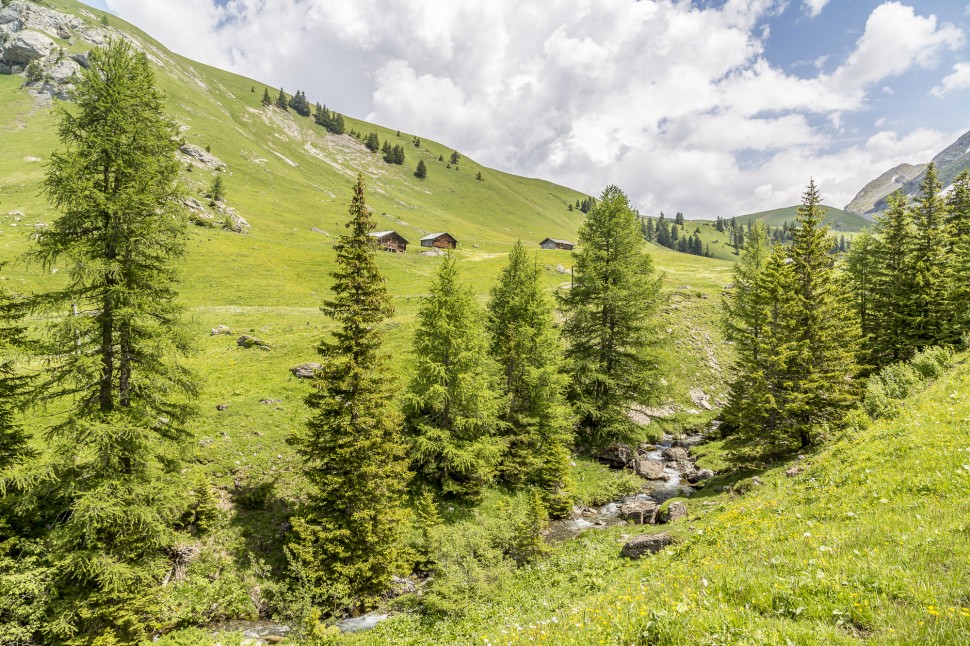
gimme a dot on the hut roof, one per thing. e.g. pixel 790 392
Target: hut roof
pixel 432 236
pixel 557 241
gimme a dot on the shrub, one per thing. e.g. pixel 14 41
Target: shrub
pixel 900 380
pixel 932 362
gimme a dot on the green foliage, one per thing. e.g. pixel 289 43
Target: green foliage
pixel 300 104
pixel 597 484
pixel 530 544
pixel 610 321
pixel 932 362
pixel 25 580
pixel 217 192
pixel 930 267
pixel 393 154
pixel 452 404
pixel 455 157
pixel 427 519
pixel 204 504
pixel 281 101
pixel 538 422
pixel 267 100
pixel 421 172
pixel 113 499
pixel 479 176
pixel 332 121
pixel 958 205
pixel 351 539
pixel 34 71
pixel 372 142
pixel 14 386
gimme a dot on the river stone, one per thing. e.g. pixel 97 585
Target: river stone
pixel 650 469
pixel 676 454
pixel 640 512
pixel 617 455
pixel 699 476
pixel 646 544
pixel 27 46
pixel 674 512
pixel 305 370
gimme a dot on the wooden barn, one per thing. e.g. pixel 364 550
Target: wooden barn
pixel 391 241
pixel 552 243
pixel 439 241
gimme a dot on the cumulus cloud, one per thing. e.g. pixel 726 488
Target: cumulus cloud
pixel 673 101
pixel 958 79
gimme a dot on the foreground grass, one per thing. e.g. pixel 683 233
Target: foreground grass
pixel 870 540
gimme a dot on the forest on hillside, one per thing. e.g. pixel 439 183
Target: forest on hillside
pixel 100 523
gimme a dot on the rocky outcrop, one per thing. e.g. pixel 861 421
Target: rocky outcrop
pixel 305 370
pixel 649 469
pixel 674 511
pixel 639 512
pixel 220 330
pixel 617 455
pixel 246 341
pixel 201 157
pixel 646 544
pixel 25 47
pixel 234 222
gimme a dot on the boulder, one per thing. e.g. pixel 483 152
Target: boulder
pixel 649 469
pixel 81 59
pixel 646 544
pixel 246 341
pixel 269 402
pixel 235 222
pixel 646 447
pixel 700 398
pixel 305 370
pixel 617 455
pixel 699 476
pixel 676 454
pixel 675 510
pixel 64 71
pixel 792 472
pixel 27 46
pixel 202 157
pixel 640 512
pixel 220 330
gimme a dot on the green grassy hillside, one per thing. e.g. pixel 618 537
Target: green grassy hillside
pixel 867 540
pixel 838 219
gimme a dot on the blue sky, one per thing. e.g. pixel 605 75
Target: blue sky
pixel 703 107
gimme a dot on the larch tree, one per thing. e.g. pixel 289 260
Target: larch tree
pixel 610 321
pixel 825 328
pixel 111 493
pixel 538 421
pixel 931 266
pixel 351 539
pixel 452 403
pixel 13 385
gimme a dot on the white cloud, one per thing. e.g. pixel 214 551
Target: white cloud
pixel 814 7
pixel 958 79
pixel 674 102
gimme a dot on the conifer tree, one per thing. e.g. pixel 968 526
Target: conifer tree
pixel 421 171
pixel 958 207
pixel 13 385
pixel 281 101
pixel 538 424
pixel 373 143
pixel 117 346
pixel 931 266
pixel 825 328
pixel 958 204
pixel 892 286
pixel 217 192
pixel 267 100
pixel 860 269
pixel 452 403
pixel 455 157
pixel 610 320
pixel 350 541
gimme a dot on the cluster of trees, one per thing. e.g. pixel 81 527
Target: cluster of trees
pixel 673 236
pixel 910 277
pixel 392 154
pixel 300 104
pixel 583 205
pixel 795 337
pixel 329 119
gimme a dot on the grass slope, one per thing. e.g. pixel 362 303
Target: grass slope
pixel 838 219
pixel 867 540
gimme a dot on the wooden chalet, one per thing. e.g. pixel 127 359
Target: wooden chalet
pixel 552 243
pixel 391 241
pixel 439 241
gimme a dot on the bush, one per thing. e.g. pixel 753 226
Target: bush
pixel 899 380
pixel 932 362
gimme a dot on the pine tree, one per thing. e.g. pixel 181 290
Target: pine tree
pixel 825 329
pixel 958 207
pixel 427 519
pixel 281 101
pixel 860 269
pixel 452 403
pixel 218 191
pixel 117 367
pixel 455 157
pixel 931 267
pixel 373 143
pixel 300 104
pixel 530 543
pixel 958 204
pixel 891 307
pixel 351 539
pixel 421 171
pixel 267 100
pixel 610 320
pixel 538 424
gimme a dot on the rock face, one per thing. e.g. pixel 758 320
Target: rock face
pixel 235 222
pixel 646 544
pixel 640 512
pixel 649 469
pixel 674 512
pixel 27 46
pixel 617 455
pixel 305 370
pixel 201 157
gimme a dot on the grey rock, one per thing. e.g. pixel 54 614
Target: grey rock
pixel 617 455
pixel 220 330
pixel 649 469
pixel 200 157
pixel 81 59
pixel 305 370
pixel 235 222
pixel 676 454
pixel 268 402
pixel 27 46
pixel 246 341
pixel 646 544
pixel 674 512
pixel 699 476
pixel 640 512
pixel 222 406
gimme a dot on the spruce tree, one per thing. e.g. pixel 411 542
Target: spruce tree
pixel 860 270
pixel 372 142
pixel 958 204
pixel 455 157
pixel 281 101
pixel 609 325
pixel 350 541
pixel 421 171
pixel 825 328
pixel 524 341
pixel 931 266
pixel 452 403
pixel 892 287
pixel 117 347
pixel 13 385
pixel 267 100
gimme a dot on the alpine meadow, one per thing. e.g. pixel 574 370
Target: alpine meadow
pixel 274 374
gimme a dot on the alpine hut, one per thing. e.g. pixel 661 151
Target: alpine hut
pixel 552 243
pixel 391 241
pixel 439 241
